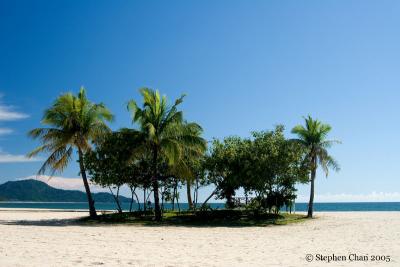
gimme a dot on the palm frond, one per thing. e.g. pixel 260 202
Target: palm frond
pixel 74 122
pixel 313 136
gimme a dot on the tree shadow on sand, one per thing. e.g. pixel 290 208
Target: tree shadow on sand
pixel 188 219
pixel 200 219
pixel 46 222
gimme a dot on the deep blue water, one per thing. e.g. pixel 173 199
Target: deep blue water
pixel 351 206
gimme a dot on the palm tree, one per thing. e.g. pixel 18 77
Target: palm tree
pixel 73 123
pixel 166 136
pixel 187 168
pixel 312 137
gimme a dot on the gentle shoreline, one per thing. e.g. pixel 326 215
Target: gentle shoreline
pixel 35 237
pixel 47 210
pixel 299 206
pixel 86 211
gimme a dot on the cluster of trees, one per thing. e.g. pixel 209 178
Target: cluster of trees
pixel 164 152
pixel 266 166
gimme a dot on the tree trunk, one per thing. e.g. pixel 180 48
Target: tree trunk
pixel 209 197
pixel 119 203
pixel 130 206
pixel 149 195
pixel 133 193
pixel 189 195
pixel 162 200
pixel 157 209
pixel 173 197
pixel 311 202
pixel 177 203
pixel 92 209
pixel 196 193
pixel 229 202
pixel 144 199
pixel 116 199
pixel 137 199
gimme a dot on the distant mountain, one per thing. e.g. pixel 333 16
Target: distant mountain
pixel 33 190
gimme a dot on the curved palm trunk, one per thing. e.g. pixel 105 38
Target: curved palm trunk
pixel 311 202
pixel 92 209
pixel 189 195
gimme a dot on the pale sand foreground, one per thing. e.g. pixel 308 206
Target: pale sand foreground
pixel 41 239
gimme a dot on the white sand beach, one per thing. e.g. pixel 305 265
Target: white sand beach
pixel 48 238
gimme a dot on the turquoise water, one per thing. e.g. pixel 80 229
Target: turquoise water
pixel 84 205
pixel 351 206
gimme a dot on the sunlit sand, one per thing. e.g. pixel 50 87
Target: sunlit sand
pixel 49 238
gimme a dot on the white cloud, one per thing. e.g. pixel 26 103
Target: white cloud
pixel 9 158
pixel 8 114
pixel 4 131
pixel 65 183
pixel 346 197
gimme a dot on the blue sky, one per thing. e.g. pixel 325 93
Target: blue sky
pixel 244 65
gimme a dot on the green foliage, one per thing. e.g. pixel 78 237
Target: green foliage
pixel 224 166
pixel 268 165
pixel 166 152
pixel 165 132
pixel 73 122
pixel 167 138
pixel 313 137
pixel 273 164
pixel 117 160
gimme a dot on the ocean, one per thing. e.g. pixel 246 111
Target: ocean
pixel 349 206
